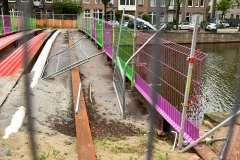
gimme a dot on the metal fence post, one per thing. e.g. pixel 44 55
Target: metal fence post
pixel 134 46
pixel 188 84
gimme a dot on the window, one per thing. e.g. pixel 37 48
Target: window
pixel 48 1
pixel 11 0
pixel 49 13
pixel 171 3
pixel 127 2
pixel 190 3
pixel 140 2
pixel 152 16
pixel 98 13
pixel 14 12
pixel 188 16
pixel 38 14
pixel 202 3
pixel 111 3
pixel 87 13
pixel 238 7
pixel 237 16
pixel 161 17
pixel 24 0
pixel 233 6
pixel 162 3
pixel 98 1
pixel 140 14
pixel 232 15
pixel 131 13
pixel 196 3
pixel 152 3
pixel 86 1
pixel 170 17
pixel 180 18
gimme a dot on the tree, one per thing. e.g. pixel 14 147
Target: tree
pixel 146 17
pixel 5 7
pixel 67 7
pixel 224 6
pixel 177 11
pixel 105 3
pixel 118 15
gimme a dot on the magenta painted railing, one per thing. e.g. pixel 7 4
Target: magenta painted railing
pixel 7 24
pixel 108 38
pixel 94 32
pixel 167 111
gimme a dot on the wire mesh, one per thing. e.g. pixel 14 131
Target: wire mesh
pixel 173 73
pixel 125 48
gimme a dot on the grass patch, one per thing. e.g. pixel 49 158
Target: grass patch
pixel 9 153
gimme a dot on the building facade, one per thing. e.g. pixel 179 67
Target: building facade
pixel 189 9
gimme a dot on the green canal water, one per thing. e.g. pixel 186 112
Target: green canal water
pixel 219 76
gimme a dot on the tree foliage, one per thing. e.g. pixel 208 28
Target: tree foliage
pixel 118 15
pixel 224 6
pixel 146 17
pixel 67 7
pixel 105 3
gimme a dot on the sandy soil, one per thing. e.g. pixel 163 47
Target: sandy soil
pixel 54 127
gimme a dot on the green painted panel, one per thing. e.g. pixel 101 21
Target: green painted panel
pixel 125 48
pixel 99 27
pixel 13 24
pixel 1 25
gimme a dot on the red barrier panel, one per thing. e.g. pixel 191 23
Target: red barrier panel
pixel 10 60
pixel 4 41
pixel 9 65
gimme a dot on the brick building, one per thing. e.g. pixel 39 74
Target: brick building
pixel 94 8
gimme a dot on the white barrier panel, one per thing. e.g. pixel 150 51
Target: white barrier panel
pixel 39 65
pixel 16 122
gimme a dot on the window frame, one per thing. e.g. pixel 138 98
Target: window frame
pixel 154 3
pixel 51 13
pixel 197 2
pixel 141 3
pixel 237 16
pixel 97 12
pixel 84 1
pixel 188 3
pixel 46 1
pixel 24 1
pixel 87 13
pixel 11 0
pixel 201 3
pixel 162 2
pixel 96 2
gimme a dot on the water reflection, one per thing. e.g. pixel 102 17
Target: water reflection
pixel 219 76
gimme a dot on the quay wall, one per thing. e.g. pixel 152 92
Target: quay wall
pixel 204 37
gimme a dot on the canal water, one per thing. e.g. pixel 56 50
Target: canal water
pixel 219 76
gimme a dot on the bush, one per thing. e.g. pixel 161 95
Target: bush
pixel 146 17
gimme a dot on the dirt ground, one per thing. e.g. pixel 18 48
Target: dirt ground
pixel 114 138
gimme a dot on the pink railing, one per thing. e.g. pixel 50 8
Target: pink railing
pixel 108 38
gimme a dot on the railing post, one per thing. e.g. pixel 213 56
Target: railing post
pixel 188 84
pixel 134 46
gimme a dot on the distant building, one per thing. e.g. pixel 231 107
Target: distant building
pixel 94 8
